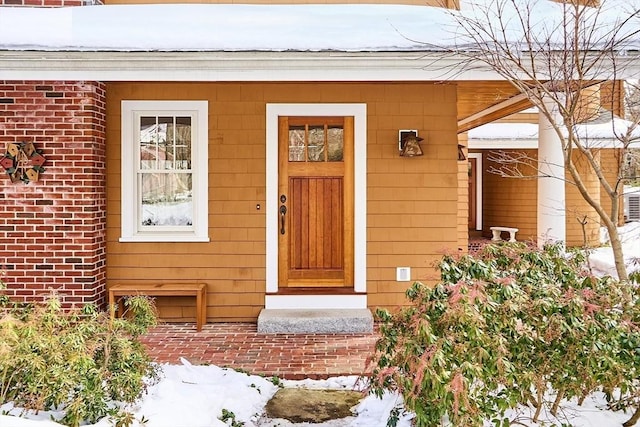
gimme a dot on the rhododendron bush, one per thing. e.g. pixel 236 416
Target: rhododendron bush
pixel 510 325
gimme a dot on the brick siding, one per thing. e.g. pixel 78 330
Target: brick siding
pixel 52 232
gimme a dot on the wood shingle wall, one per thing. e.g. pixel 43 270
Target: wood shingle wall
pixel 512 202
pixel 412 202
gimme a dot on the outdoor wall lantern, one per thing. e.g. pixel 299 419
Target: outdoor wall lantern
pixel 409 143
pixel 461 155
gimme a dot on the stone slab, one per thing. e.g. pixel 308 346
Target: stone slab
pixel 326 321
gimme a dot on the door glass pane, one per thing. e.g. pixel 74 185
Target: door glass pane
pixel 297 144
pixel 148 143
pixel 335 142
pixel 316 143
pixel 167 199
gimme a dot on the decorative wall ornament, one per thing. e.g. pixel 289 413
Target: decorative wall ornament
pixel 22 162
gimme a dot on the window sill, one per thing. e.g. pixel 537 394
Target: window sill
pixel 170 238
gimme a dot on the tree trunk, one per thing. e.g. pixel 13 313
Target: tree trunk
pixel 618 257
pixel 540 399
pixel 556 403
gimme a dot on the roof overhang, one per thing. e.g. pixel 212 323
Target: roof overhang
pixel 275 66
pixel 251 66
pixel 532 144
pixel 238 66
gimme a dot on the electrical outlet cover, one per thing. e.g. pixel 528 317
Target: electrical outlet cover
pixel 403 274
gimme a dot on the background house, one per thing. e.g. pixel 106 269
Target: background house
pixel 502 168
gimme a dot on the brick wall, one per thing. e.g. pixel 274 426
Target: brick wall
pixel 52 232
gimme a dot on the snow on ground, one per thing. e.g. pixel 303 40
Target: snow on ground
pixel 194 396
pixel 601 259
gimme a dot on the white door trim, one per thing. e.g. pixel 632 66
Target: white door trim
pixel 359 112
pixel 478 157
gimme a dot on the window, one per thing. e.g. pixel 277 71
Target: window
pixel 164 171
pixel 321 142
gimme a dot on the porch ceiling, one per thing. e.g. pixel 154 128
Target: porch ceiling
pixel 484 101
pixel 481 102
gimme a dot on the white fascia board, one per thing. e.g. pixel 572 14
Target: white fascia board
pixel 237 66
pixel 262 66
pixel 502 144
pixel 528 144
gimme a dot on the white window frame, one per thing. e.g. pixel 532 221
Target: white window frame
pixel 130 197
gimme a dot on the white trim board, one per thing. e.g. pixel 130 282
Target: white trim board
pixel 316 302
pixel 254 66
pixel 359 112
pixel 503 144
pixel 238 66
pixel 478 157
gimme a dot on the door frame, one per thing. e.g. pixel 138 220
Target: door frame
pixel 359 113
pixel 478 177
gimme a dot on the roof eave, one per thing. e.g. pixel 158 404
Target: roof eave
pixel 237 66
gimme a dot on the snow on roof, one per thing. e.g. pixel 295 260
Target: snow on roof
pixel 597 134
pixel 508 131
pixel 222 27
pixel 243 27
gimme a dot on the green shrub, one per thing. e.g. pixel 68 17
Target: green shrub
pixel 80 361
pixel 503 327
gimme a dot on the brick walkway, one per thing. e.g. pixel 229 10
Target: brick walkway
pixel 238 345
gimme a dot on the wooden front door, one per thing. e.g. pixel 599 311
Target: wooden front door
pixel 315 202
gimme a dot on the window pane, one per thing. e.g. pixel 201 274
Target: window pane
pixel 165 142
pixel 296 144
pixel 148 142
pixel 316 143
pixel 335 142
pixel 183 143
pixel 167 199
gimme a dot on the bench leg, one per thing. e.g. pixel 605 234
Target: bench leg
pixel 496 236
pixel 112 305
pixel 116 305
pixel 512 236
pixel 200 311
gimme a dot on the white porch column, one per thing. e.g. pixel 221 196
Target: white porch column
pixel 551 185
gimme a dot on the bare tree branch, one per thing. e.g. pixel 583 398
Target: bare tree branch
pixel 554 60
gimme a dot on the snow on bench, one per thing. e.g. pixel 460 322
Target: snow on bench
pixel 497 231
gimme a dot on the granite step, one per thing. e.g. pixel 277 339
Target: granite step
pixel 318 321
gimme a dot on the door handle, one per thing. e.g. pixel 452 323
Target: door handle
pixel 283 212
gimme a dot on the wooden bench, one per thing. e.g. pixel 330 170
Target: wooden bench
pixel 198 290
pixel 497 231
